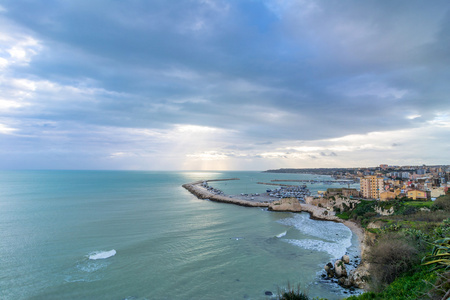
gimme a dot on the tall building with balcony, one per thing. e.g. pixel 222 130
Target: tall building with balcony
pixel 371 187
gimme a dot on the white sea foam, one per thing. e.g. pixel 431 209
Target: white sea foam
pixel 102 254
pixel 330 237
pixel 281 234
pixel 334 249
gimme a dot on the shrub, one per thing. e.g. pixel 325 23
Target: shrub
pixel 344 215
pixel 409 286
pixel 440 255
pixel 410 210
pixel 389 258
pixel 362 208
pixel 442 203
pixel 442 230
pixel 441 288
pixel 291 294
pixel 370 214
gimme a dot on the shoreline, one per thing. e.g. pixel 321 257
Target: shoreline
pixel 285 205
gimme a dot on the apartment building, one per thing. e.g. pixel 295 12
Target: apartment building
pixel 371 186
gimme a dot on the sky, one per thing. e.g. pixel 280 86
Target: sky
pixel 223 85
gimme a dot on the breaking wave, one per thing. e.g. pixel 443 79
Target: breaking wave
pixel 281 234
pixel 332 238
pixel 102 255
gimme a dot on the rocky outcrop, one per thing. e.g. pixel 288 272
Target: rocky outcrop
pixel 384 212
pixel 332 203
pixel 359 276
pixel 355 278
pixel 286 204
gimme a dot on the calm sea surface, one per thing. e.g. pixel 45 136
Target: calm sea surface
pixel 140 235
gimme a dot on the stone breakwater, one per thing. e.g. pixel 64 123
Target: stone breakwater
pixel 355 278
pixel 201 192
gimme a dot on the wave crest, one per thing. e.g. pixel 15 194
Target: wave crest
pixel 102 254
pixel 281 234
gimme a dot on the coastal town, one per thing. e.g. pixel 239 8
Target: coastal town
pixel 387 182
pixel 393 204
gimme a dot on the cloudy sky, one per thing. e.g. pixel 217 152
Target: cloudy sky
pixel 216 84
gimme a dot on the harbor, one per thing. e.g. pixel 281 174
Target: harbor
pixel 300 192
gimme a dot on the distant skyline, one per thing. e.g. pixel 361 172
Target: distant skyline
pixel 223 85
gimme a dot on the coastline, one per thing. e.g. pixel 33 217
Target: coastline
pixel 287 205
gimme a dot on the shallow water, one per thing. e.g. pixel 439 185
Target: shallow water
pixel 140 235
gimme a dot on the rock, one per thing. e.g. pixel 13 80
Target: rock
pixel 346 259
pixel 328 267
pixel 286 204
pixel 339 269
pixel 268 293
pixel 358 277
pixel 345 282
pixel 331 273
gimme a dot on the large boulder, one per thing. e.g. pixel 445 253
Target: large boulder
pixel 339 269
pixel 346 259
pixel 359 277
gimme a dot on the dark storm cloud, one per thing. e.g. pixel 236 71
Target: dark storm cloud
pixel 267 70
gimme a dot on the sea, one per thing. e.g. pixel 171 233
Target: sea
pixel 140 235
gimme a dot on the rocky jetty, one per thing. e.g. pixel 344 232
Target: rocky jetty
pixel 197 189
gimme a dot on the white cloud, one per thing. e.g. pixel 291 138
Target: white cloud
pixel 4 129
pixel 17 50
pixel 412 117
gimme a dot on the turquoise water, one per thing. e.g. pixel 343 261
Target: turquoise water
pixel 58 230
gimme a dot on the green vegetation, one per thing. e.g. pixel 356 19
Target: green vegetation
pixel 409 286
pixel 345 215
pixel 419 204
pixel 292 294
pixel 440 255
pixel 402 241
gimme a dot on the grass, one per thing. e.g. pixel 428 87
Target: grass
pixel 345 215
pixel 419 204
